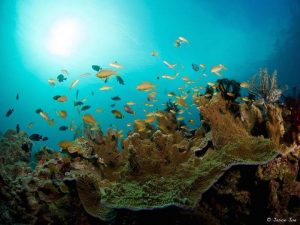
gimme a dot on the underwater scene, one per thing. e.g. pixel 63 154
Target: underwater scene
pixel 143 112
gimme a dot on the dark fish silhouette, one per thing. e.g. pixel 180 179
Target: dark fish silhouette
pixel 35 137
pixel 9 112
pixel 56 97
pixel 116 98
pixel 195 67
pixel 96 68
pixel 17 96
pixel 38 111
pixel 45 139
pixel 18 128
pixel 77 103
pixel 61 78
pixel 77 93
pixel 63 128
pixel 86 107
pixel 120 80
pixel 112 105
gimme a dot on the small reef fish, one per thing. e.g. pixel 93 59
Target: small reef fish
pixel 65 144
pixel 78 103
pixel 140 125
pixel 211 84
pixel 73 84
pixel 35 137
pixel 45 139
pixel 105 73
pixel 169 65
pixel 85 75
pixel 18 128
pixel 62 98
pixel 88 118
pixel 150 119
pixel 128 109
pixel 151 96
pixel 62 113
pixel 63 128
pixel 9 112
pixel 154 53
pixel 245 99
pixel 105 88
pixel 86 107
pixel 230 94
pixel 244 85
pixel 99 110
pixel 130 103
pixel 191 121
pixel 202 66
pixel 181 102
pixel 145 86
pixel 116 65
pixel 217 69
pixel 116 98
pixel 96 68
pixel 51 82
pixel 61 78
pixel 30 125
pixel 183 39
pixel 195 67
pixel 171 94
pixel 180 118
pixel 77 94
pixel 117 114
pixel 170 77
pixel 17 96
pixel 120 80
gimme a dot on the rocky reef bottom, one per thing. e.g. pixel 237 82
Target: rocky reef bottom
pixel 224 172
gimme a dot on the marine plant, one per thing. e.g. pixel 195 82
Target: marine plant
pixel 265 87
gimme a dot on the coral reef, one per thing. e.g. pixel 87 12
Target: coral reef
pixel 230 89
pixel 219 173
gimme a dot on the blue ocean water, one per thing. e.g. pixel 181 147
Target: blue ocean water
pixel 242 35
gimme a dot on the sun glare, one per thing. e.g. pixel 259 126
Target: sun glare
pixel 65 38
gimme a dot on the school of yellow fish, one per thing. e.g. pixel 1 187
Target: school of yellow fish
pixel 182 97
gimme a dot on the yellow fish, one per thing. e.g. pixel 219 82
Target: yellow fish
pixel 169 65
pixel 105 88
pixel 117 114
pixel 88 118
pixel 62 113
pixel 217 69
pixel 150 119
pixel 130 103
pixel 145 86
pixel 183 39
pixel 116 65
pixel 154 53
pixel 105 73
pixel 244 85
pixel 191 121
pixel 30 125
pixel 180 118
pixel 99 110
pixel 51 82
pixel 181 102
pixel 62 98
pixel 73 84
